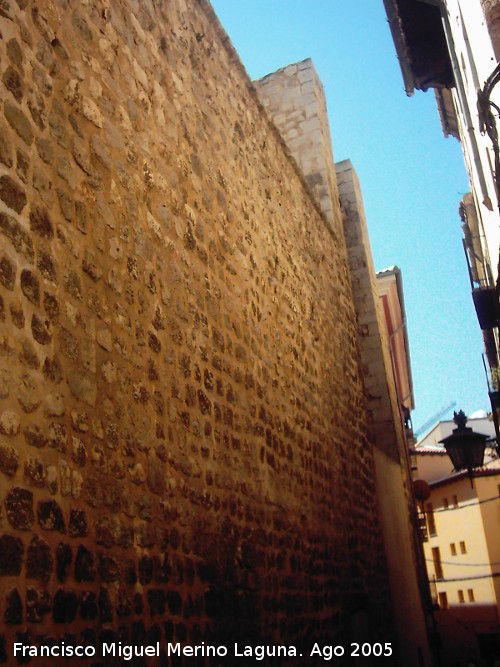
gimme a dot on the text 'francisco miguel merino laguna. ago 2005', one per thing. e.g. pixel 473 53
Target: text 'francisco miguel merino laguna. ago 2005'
pixel 128 652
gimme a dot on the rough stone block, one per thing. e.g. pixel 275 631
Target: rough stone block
pixel 38 604
pixel 11 555
pixel 50 516
pixel 64 558
pixel 19 508
pixel 30 286
pixel 64 606
pixel 12 194
pixel 8 272
pixel 13 608
pixel 39 560
pixel 9 460
pixel 19 122
pixel 40 223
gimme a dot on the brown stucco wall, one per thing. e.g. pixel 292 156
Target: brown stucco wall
pixel 183 449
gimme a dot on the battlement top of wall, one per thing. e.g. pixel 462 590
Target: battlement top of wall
pixel 289 70
pixel 344 165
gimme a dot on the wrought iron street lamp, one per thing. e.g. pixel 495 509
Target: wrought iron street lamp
pixel 464 446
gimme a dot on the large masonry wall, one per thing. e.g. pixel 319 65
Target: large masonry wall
pixel 386 425
pixel 295 100
pixel 183 450
pixel 407 570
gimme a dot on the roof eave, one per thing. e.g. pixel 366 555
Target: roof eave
pixel 398 37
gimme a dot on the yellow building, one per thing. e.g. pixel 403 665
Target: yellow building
pixel 462 549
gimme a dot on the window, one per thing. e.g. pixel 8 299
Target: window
pixel 454 501
pixel 453 549
pixel 463 548
pixel 429 510
pixel 436 559
pixel 470 593
pixel 446 504
pixel 443 601
pixel 461 597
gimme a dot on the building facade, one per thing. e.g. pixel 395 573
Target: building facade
pixel 452 46
pixel 462 549
pixel 390 288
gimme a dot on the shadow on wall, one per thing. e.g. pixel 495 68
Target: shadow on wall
pixel 469 630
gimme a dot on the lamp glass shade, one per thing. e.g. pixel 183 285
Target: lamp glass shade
pixel 464 446
pixel 466 453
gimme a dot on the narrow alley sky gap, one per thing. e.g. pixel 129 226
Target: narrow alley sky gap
pixel 412 178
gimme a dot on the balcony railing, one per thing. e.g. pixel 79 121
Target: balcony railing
pixel 484 294
pixel 493 381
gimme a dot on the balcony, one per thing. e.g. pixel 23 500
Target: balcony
pixel 486 304
pixel 484 293
pixel 493 381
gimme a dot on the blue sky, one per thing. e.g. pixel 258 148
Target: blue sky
pixel 412 177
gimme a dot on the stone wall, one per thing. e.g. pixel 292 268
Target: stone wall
pixel 295 100
pixel 386 426
pixel 183 443
pixel 407 571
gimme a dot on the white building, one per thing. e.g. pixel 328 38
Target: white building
pixel 450 45
pixel 473 62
